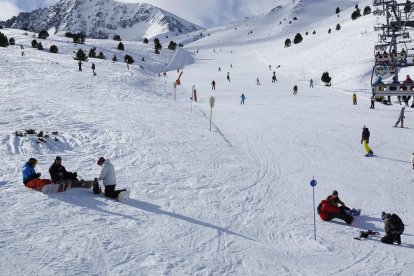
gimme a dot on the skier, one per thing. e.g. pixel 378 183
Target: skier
pixel 80 65
pixel 213 85
pixel 257 81
pixel 412 160
pixel 242 98
pixel 228 76
pixel 328 211
pixel 274 77
pixel 311 83
pixel 365 141
pixel 31 179
pixel 58 174
pixel 354 99
pixel 109 178
pixel 93 68
pixel 219 69
pixel 393 227
pixel 295 89
pixel 401 118
pixel 270 67
pixel 372 102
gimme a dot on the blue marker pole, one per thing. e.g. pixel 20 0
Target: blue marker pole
pixel 313 184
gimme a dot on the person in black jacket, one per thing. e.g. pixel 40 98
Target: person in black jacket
pixel 365 141
pixel 59 174
pixel 393 227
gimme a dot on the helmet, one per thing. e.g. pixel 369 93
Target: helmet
pixel 100 161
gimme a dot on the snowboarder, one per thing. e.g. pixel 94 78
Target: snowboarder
pixel 257 81
pixel 228 76
pixel 31 179
pixel 231 65
pixel 274 77
pixel 80 65
pixel 365 141
pixel 401 118
pixel 270 67
pixel 242 98
pixel 354 99
pixel 329 211
pixel 109 178
pixel 213 85
pixel 372 102
pixel 219 69
pixel 311 83
pixel 93 68
pixel 58 174
pixel 334 200
pixel 295 89
pixel 393 227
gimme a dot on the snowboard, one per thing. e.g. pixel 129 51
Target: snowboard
pixel 366 234
pixel 369 155
pixel 354 212
pixel 56 188
pixel 124 195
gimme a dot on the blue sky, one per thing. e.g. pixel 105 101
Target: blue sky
pixel 207 13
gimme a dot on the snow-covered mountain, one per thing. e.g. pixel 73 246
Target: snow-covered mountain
pixel 102 19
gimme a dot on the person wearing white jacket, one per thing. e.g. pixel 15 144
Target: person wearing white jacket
pixel 108 177
pixel 412 160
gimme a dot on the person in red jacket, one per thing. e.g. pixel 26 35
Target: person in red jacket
pixel 328 211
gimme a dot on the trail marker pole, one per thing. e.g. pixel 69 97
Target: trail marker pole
pixel 212 100
pixel 313 184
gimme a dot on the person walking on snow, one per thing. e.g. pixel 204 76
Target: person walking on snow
pixel 354 99
pixel 242 98
pixel 295 89
pixel 213 85
pixel 80 65
pixel 365 141
pixel 228 76
pixel 31 179
pixel 257 81
pixel 311 83
pixel 401 118
pixel 372 102
pixel 93 68
pixel 108 177
pixel 274 77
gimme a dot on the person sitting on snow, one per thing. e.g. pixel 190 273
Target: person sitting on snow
pixel 334 200
pixel 328 211
pixel 58 174
pixel 31 179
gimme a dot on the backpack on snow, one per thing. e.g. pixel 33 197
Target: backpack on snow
pixel 96 188
pixel 397 223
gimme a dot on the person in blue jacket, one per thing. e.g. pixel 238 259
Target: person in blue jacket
pixel 242 98
pixel 31 178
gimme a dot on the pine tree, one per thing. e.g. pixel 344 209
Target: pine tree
pixel 329 31
pixel 53 49
pixel 128 59
pixel 338 27
pixel 298 38
pixel 326 79
pixel 43 34
pixel 114 59
pixel 4 42
pixel 288 42
pixel 146 40
pixel 80 55
pixel 12 41
pixel 117 38
pixel 101 55
pixel 367 10
pixel 337 10
pixel 157 45
pixel 39 46
pixel 34 43
pixel 121 46
pixel 356 14
pixel 172 45
pixel 92 53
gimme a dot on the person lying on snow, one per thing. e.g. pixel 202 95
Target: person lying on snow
pixel 328 209
pixel 58 174
pixel 31 178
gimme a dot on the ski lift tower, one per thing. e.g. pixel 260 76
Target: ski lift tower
pixel 393 34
